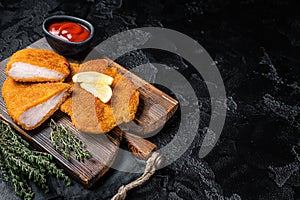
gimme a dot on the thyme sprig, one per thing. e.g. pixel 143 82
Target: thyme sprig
pixel 19 164
pixel 65 142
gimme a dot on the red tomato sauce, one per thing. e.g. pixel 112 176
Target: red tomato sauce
pixel 70 31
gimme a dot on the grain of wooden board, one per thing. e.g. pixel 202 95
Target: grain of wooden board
pixel 103 147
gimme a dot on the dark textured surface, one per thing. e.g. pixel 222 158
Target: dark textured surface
pixel 256 46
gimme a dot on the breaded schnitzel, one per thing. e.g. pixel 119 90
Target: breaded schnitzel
pixel 89 114
pixel 37 65
pixel 74 69
pixel 66 106
pixel 30 104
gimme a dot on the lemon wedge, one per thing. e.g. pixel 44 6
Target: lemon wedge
pixel 103 92
pixel 92 77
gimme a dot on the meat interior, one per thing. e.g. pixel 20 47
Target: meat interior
pixel 25 70
pixel 36 114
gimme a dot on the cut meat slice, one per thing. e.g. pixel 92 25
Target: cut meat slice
pixel 30 104
pixel 21 70
pixel 37 65
pixel 34 115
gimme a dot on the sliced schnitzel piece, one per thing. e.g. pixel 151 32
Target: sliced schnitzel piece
pixel 30 104
pixel 89 114
pixel 37 65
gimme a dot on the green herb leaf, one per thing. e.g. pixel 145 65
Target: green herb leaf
pixel 19 164
pixel 65 142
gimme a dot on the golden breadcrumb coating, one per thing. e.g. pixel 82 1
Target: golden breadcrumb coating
pixel 74 69
pixel 121 108
pixel 66 106
pixel 19 97
pixel 40 58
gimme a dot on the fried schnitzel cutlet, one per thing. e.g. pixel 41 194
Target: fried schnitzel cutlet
pixel 30 104
pixel 74 69
pixel 37 65
pixel 89 114
pixel 66 106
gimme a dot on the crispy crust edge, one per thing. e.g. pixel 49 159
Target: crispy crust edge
pixel 46 116
pixel 16 58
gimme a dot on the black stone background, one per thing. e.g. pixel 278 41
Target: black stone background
pixel 255 44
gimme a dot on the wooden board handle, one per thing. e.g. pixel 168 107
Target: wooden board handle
pixel 139 146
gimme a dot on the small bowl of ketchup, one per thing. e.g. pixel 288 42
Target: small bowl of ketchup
pixel 68 35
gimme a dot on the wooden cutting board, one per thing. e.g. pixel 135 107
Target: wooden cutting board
pixel 103 147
